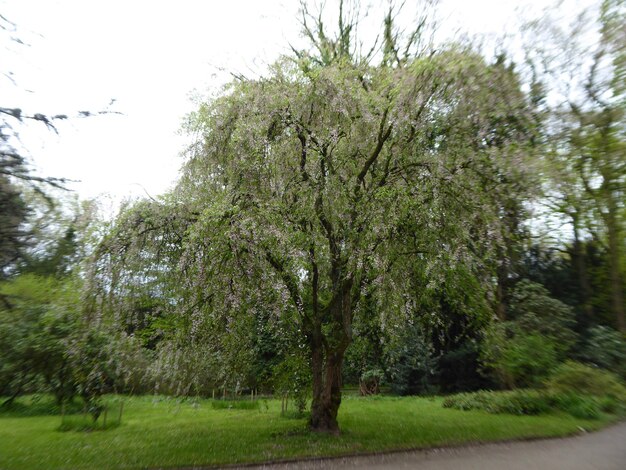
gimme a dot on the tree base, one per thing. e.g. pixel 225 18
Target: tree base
pixel 325 423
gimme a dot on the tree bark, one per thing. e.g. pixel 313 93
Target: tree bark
pixel 327 393
pixel 580 263
pixel 500 292
pixel 327 353
pixel 617 285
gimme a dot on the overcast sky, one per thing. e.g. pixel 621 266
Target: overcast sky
pixel 152 57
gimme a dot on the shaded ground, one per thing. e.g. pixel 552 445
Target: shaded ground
pixel 605 450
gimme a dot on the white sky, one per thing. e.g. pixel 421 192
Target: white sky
pixel 151 57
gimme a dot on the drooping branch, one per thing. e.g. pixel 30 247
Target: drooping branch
pixel 384 131
pixel 289 280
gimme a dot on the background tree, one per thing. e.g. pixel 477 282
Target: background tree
pixel 584 89
pixel 21 188
pixel 538 336
pixel 37 324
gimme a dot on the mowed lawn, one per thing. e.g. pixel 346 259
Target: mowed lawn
pixel 163 432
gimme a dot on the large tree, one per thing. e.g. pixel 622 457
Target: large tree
pixel 328 179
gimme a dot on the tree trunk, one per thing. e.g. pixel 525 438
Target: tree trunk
pixel 11 399
pixel 327 353
pixel 580 264
pixel 617 285
pixel 500 292
pixel 326 392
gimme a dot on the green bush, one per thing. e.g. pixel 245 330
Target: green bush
pixel 611 405
pixel 538 335
pixel 528 358
pixel 533 402
pixel 522 402
pixel 517 402
pixel 467 401
pixel 579 406
pixel 292 378
pixel 605 348
pixel 535 312
pixel 518 358
pixel 576 378
pixel 411 362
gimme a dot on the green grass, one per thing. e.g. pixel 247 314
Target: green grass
pixel 164 432
pixel 235 405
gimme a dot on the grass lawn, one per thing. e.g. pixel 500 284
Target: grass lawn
pixel 163 432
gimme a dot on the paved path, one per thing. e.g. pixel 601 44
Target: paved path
pixel 602 450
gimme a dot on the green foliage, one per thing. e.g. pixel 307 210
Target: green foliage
pixel 366 353
pixel 561 275
pixel 517 358
pixel 410 360
pixel 527 358
pixel 92 369
pixel 450 319
pixel 103 361
pixel 535 312
pixel 605 348
pixel 56 260
pixel 573 377
pixel 185 371
pixel 585 131
pixel 292 377
pixel 13 215
pixel 533 402
pixel 579 406
pixel 459 367
pixel 130 363
pixel 37 322
pixel 326 180
pixel 523 351
pixel 517 402
pixel 574 388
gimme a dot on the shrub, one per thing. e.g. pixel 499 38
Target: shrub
pixel 467 401
pixel 521 352
pixel 534 402
pixel 517 402
pixel 518 359
pixel 580 379
pixel 534 311
pixel 292 377
pixel 411 362
pixel 528 358
pixel 611 405
pixel 522 402
pixel 605 348
pixel 579 406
